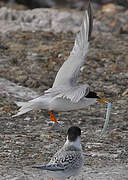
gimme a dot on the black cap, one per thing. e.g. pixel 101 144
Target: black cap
pixel 92 95
pixel 73 133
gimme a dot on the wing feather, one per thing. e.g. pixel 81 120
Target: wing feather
pixel 64 160
pixel 51 167
pixel 68 73
pixel 73 93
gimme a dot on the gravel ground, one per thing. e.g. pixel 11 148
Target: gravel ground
pixel 29 61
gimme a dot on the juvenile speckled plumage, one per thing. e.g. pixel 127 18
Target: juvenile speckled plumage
pixel 68 160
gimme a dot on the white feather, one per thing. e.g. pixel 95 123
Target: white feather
pixel 68 73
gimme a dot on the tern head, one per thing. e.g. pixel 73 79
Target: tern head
pixel 94 95
pixel 73 133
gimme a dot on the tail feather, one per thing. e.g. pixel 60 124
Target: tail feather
pixel 22 110
pixel 35 104
pixel 25 107
pixel 19 104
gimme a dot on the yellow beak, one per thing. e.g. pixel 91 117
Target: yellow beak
pixel 102 100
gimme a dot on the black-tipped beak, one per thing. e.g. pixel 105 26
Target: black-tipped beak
pixel 102 100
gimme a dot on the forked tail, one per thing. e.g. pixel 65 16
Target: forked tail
pixel 25 107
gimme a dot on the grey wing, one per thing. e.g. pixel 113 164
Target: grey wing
pixel 75 93
pixel 68 73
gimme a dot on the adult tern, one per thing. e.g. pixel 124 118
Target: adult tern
pixel 66 94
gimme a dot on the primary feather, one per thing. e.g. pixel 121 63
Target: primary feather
pixel 67 76
pixel 49 168
pixel 73 93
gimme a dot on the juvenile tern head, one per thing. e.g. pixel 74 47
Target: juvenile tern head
pixel 66 94
pixel 68 160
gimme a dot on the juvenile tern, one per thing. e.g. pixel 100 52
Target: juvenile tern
pixel 66 94
pixel 67 162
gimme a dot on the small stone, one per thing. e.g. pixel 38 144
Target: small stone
pixel 109 8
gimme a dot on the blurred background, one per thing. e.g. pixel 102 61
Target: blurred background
pixel 59 3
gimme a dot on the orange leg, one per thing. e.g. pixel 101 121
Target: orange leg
pixel 52 117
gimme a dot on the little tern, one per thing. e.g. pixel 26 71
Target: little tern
pixel 66 94
pixel 67 162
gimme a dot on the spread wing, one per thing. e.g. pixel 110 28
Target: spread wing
pixel 74 93
pixel 68 73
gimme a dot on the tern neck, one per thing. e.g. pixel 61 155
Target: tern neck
pixel 75 143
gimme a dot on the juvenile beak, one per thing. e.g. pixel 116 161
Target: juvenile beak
pixel 102 100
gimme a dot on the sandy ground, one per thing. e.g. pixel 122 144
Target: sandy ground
pixel 29 61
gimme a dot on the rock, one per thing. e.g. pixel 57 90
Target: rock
pixel 65 3
pixel 12 89
pixel 119 2
pixel 109 8
pixel 59 20
pixel 37 3
pixel 54 20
